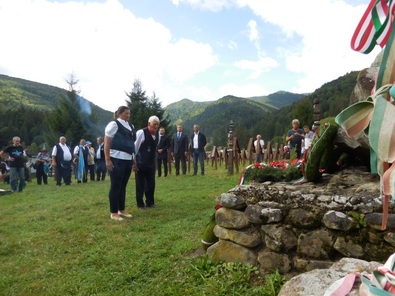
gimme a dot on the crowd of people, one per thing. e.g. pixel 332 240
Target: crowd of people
pixel 298 141
pixel 124 150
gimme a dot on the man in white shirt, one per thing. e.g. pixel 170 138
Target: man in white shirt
pixel 61 161
pixel 259 146
pixel 100 161
pixel 198 141
pixel 308 137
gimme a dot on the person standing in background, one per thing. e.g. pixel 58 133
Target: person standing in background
pixel 42 166
pixel 308 137
pixel 16 162
pixel 119 151
pixel 144 166
pixel 61 161
pixel 198 141
pixel 179 148
pixel 259 146
pixel 90 165
pixel 295 137
pixel 101 169
pixel 81 161
pixel 161 156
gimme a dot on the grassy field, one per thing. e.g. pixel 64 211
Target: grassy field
pixel 61 241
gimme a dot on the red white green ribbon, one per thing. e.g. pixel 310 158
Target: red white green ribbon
pixel 374 27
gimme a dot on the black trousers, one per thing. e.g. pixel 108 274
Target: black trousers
pixel 145 184
pixel 40 175
pixel 159 162
pixel 119 176
pixel 180 157
pixel 91 170
pixel 101 170
pixel 63 171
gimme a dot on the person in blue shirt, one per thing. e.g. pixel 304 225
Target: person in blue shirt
pixel 295 137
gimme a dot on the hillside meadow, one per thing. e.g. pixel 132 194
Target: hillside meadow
pixel 61 241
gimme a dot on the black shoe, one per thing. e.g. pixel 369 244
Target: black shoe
pixel 151 206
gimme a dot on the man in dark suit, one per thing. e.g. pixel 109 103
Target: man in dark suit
pixel 198 141
pixel 161 156
pixel 179 147
pixel 101 169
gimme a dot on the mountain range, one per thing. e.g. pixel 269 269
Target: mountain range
pixel 269 115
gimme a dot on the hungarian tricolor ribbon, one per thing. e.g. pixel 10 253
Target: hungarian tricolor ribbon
pixel 374 27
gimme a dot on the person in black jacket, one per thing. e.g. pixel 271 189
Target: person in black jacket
pixel 100 161
pixel 179 148
pixel 15 157
pixel 198 141
pixel 161 156
pixel 144 166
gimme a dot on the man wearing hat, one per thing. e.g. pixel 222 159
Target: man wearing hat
pixel 90 167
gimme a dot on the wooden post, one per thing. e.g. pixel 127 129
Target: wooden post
pixel 236 154
pixel 316 107
pixel 250 151
pixel 269 152
pixel 214 157
pixel 230 149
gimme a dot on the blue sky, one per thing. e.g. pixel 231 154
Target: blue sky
pixel 200 50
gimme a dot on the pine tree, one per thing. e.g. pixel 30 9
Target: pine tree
pixel 67 119
pixel 142 107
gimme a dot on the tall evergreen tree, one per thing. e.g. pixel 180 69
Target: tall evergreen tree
pixel 67 119
pixel 142 107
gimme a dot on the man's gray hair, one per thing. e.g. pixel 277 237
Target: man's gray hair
pixel 153 119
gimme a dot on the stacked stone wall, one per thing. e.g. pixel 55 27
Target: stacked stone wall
pixel 298 228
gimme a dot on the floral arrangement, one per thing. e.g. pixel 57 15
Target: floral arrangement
pixel 274 171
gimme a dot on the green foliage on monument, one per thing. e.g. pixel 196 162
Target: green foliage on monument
pixel 322 155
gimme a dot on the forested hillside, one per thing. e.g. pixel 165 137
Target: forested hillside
pixel 26 105
pixel 25 108
pixel 269 116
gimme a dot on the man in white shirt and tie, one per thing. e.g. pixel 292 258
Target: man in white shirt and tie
pixel 179 148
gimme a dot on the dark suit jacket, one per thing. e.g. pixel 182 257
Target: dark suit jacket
pixel 201 141
pixel 101 154
pixel 179 146
pixel 164 144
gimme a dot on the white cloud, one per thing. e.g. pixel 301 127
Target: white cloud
pixel 258 67
pixel 211 5
pixel 253 32
pixel 323 52
pixel 104 44
pixel 244 90
pixel 107 47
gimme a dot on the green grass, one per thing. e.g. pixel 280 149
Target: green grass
pixel 61 241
